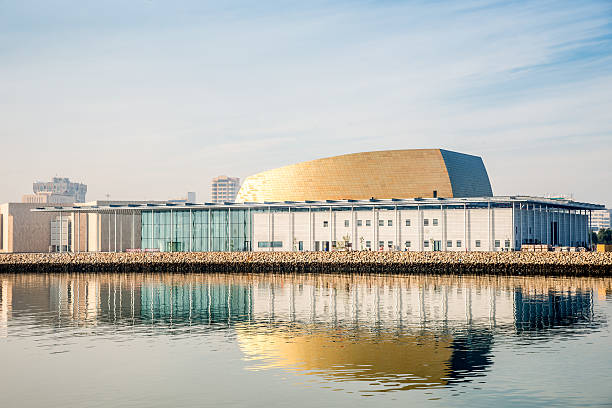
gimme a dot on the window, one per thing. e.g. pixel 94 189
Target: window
pixel 530 230
pixel 368 223
pixel 507 243
pixel 390 223
pixel 368 244
pixel 449 244
pixel 407 244
pixel 381 223
pixel 325 224
pixel 407 223
pixel 359 223
pixel 497 243
pixel 346 223
pixel 390 244
pixel 435 222
pixel 426 244
pixel 333 244
pixel 477 243
pixel 268 244
pixel 458 244
pixel 381 244
pixel 301 245
pixel 426 222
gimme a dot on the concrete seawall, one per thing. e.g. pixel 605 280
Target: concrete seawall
pixel 501 263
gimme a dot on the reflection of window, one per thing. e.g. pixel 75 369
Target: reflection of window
pixel 425 222
pixel 359 223
pixel 407 244
pixel 449 244
pixel 426 244
pixel 435 221
pixel 497 243
pixel 346 223
pixel 458 244
pixel 381 223
pixel 368 223
pixel 325 224
pixel 407 223
pixel 390 223
pixel 368 244
pixel 477 243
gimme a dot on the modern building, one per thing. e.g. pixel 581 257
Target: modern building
pixel 381 174
pixel 224 189
pixel 432 224
pixel 22 230
pixel 600 220
pixel 59 190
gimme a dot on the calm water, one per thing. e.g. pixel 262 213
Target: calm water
pixel 310 340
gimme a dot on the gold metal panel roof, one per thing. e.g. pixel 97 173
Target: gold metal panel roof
pixel 379 174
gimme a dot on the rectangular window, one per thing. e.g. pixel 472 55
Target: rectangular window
pixel 301 245
pixel 477 243
pixel 268 244
pixel 381 244
pixel 368 223
pixel 359 223
pixel 507 243
pixel 368 244
pixel 407 244
pixel 426 222
pixel 497 243
pixel 449 244
pixel 407 223
pixel 381 223
pixel 389 223
pixel 458 245
pixel 426 244
pixel 346 223
pixel 325 224
pixel 333 244
pixel 435 222
pixel 390 244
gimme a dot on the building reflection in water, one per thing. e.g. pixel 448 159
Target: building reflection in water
pixel 392 331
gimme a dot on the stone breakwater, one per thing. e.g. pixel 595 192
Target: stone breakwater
pixel 502 263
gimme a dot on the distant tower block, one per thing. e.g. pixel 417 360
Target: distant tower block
pixel 224 189
pixel 59 190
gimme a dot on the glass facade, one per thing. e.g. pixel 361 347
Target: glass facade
pixel 196 230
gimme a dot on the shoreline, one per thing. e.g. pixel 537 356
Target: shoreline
pixel 498 263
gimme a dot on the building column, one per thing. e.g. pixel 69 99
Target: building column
pixel 190 230
pixel 61 231
pixel 512 235
pixel 270 229
pixel 310 237
pixel 229 229
pixel 331 231
pixel 443 227
pixel 420 227
pixel 133 226
pixel 489 224
pixel 466 243
pixel 397 231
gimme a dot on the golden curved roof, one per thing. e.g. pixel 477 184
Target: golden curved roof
pixel 379 174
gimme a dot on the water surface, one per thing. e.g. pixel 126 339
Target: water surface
pixel 312 340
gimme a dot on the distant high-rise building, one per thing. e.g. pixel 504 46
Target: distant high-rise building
pixel 600 219
pixel 59 190
pixel 224 189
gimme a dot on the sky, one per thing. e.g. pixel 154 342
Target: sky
pixel 149 99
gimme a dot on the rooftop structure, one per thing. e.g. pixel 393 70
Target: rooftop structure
pixel 380 174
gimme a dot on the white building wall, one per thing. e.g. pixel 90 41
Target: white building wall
pixel 430 229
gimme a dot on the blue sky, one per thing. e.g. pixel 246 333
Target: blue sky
pixel 148 99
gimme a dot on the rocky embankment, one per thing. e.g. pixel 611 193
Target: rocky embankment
pixel 506 263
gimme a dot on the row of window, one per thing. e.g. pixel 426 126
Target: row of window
pixel 381 223
pixel 381 244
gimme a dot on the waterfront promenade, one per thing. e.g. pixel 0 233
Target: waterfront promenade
pixel 504 263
